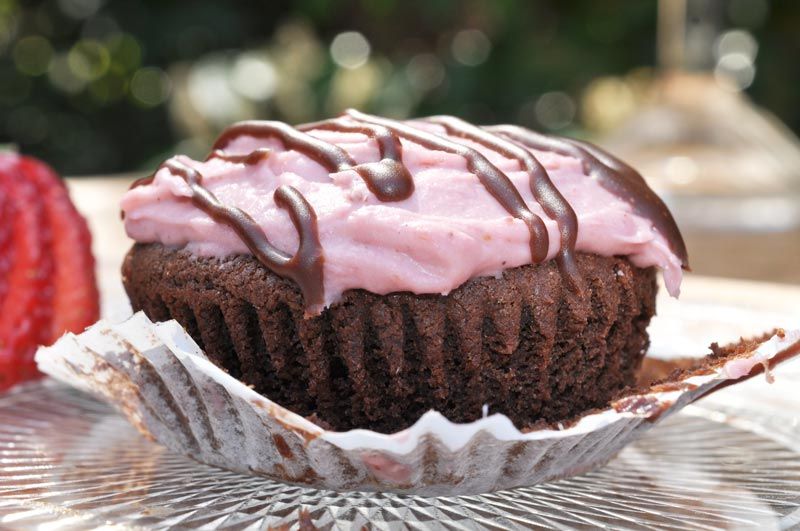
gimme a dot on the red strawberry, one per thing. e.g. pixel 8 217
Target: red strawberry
pixel 26 310
pixel 75 296
pixel 47 282
pixel 6 255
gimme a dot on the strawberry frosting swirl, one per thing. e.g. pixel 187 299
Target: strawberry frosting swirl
pixel 449 230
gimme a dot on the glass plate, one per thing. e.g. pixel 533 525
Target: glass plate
pixel 731 462
pixel 69 462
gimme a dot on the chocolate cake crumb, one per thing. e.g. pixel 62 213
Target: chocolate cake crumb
pixel 522 343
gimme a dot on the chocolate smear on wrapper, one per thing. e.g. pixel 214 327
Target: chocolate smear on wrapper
pixel 159 378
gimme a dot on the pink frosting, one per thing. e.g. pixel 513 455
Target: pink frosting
pixel 448 231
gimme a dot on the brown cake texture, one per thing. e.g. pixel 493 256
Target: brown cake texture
pixel 523 343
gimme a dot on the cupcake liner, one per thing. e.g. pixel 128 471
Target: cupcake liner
pixel 163 383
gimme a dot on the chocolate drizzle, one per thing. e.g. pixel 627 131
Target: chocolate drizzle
pixel 545 193
pixel 612 174
pixel 304 267
pixel 331 157
pixel 496 182
pixel 389 180
pixel 254 157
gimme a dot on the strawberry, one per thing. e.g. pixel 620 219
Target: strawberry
pixel 26 309
pixel 6 255
pixel 75 295
pixel 47 282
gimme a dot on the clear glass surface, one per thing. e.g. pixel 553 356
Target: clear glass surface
pixel 730 462
pixel 72 463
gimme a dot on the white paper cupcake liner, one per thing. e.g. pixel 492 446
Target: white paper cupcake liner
pixel 163 383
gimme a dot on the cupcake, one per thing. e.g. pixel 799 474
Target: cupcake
pixel 361 271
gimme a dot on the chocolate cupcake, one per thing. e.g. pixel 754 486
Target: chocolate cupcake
pixel 360 270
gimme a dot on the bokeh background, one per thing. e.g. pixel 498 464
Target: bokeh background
pixel 99 86
pixel 701 95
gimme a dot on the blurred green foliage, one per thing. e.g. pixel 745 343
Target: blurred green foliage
pixel 97 86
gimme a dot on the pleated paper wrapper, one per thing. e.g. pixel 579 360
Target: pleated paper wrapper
pixel 162 382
